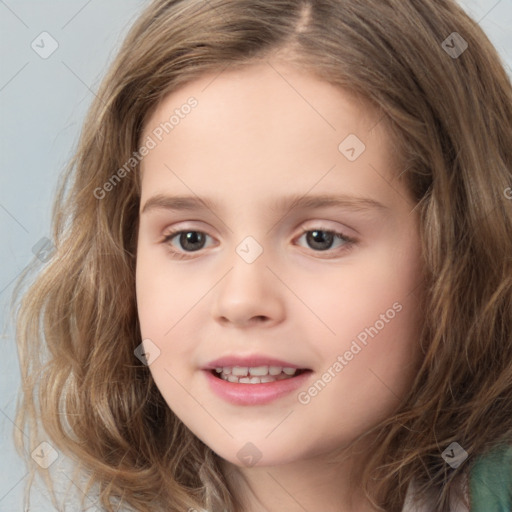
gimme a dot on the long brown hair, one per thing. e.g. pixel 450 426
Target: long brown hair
pixel 448 109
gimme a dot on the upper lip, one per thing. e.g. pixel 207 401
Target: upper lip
pixel 250 361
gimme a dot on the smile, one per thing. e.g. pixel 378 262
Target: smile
pixel 256 374
pixel 265 388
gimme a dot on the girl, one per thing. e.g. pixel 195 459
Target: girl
pixel 282 277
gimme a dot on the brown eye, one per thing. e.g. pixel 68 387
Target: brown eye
pixel 189 241
pixel 323 239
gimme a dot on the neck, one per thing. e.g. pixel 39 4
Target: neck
pixel 316 483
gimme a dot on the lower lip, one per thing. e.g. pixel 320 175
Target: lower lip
pixel 255 394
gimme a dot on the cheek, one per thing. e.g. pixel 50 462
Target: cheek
pixel 163 296
pixel 162 306
pixel 353 297
pixel 366 368
pixel 371 316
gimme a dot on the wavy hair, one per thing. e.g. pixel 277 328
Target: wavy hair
pixel 450 119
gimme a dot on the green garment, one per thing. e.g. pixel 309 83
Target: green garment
pixel 491 482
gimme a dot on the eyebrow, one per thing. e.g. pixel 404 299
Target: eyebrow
pixel 195 203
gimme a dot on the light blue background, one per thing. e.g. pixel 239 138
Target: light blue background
pixel 42 106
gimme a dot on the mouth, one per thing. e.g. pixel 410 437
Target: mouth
pixel 256 374
pixel 255 383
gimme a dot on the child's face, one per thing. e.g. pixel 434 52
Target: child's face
pixel 345 311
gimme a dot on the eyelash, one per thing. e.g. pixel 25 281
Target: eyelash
pixel 348 244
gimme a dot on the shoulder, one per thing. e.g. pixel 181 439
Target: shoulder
pixel 428 504
pixel 489 483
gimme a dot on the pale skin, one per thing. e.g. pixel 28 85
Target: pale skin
pixel 253 140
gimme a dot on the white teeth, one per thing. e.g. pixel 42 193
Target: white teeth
pixel 259 370
pixel 254 375
pixel 250 380
pixel 240 371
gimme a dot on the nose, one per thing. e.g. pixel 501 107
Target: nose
pixel 249 295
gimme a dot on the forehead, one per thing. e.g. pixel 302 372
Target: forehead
pixel 266 124
pixel 231 94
